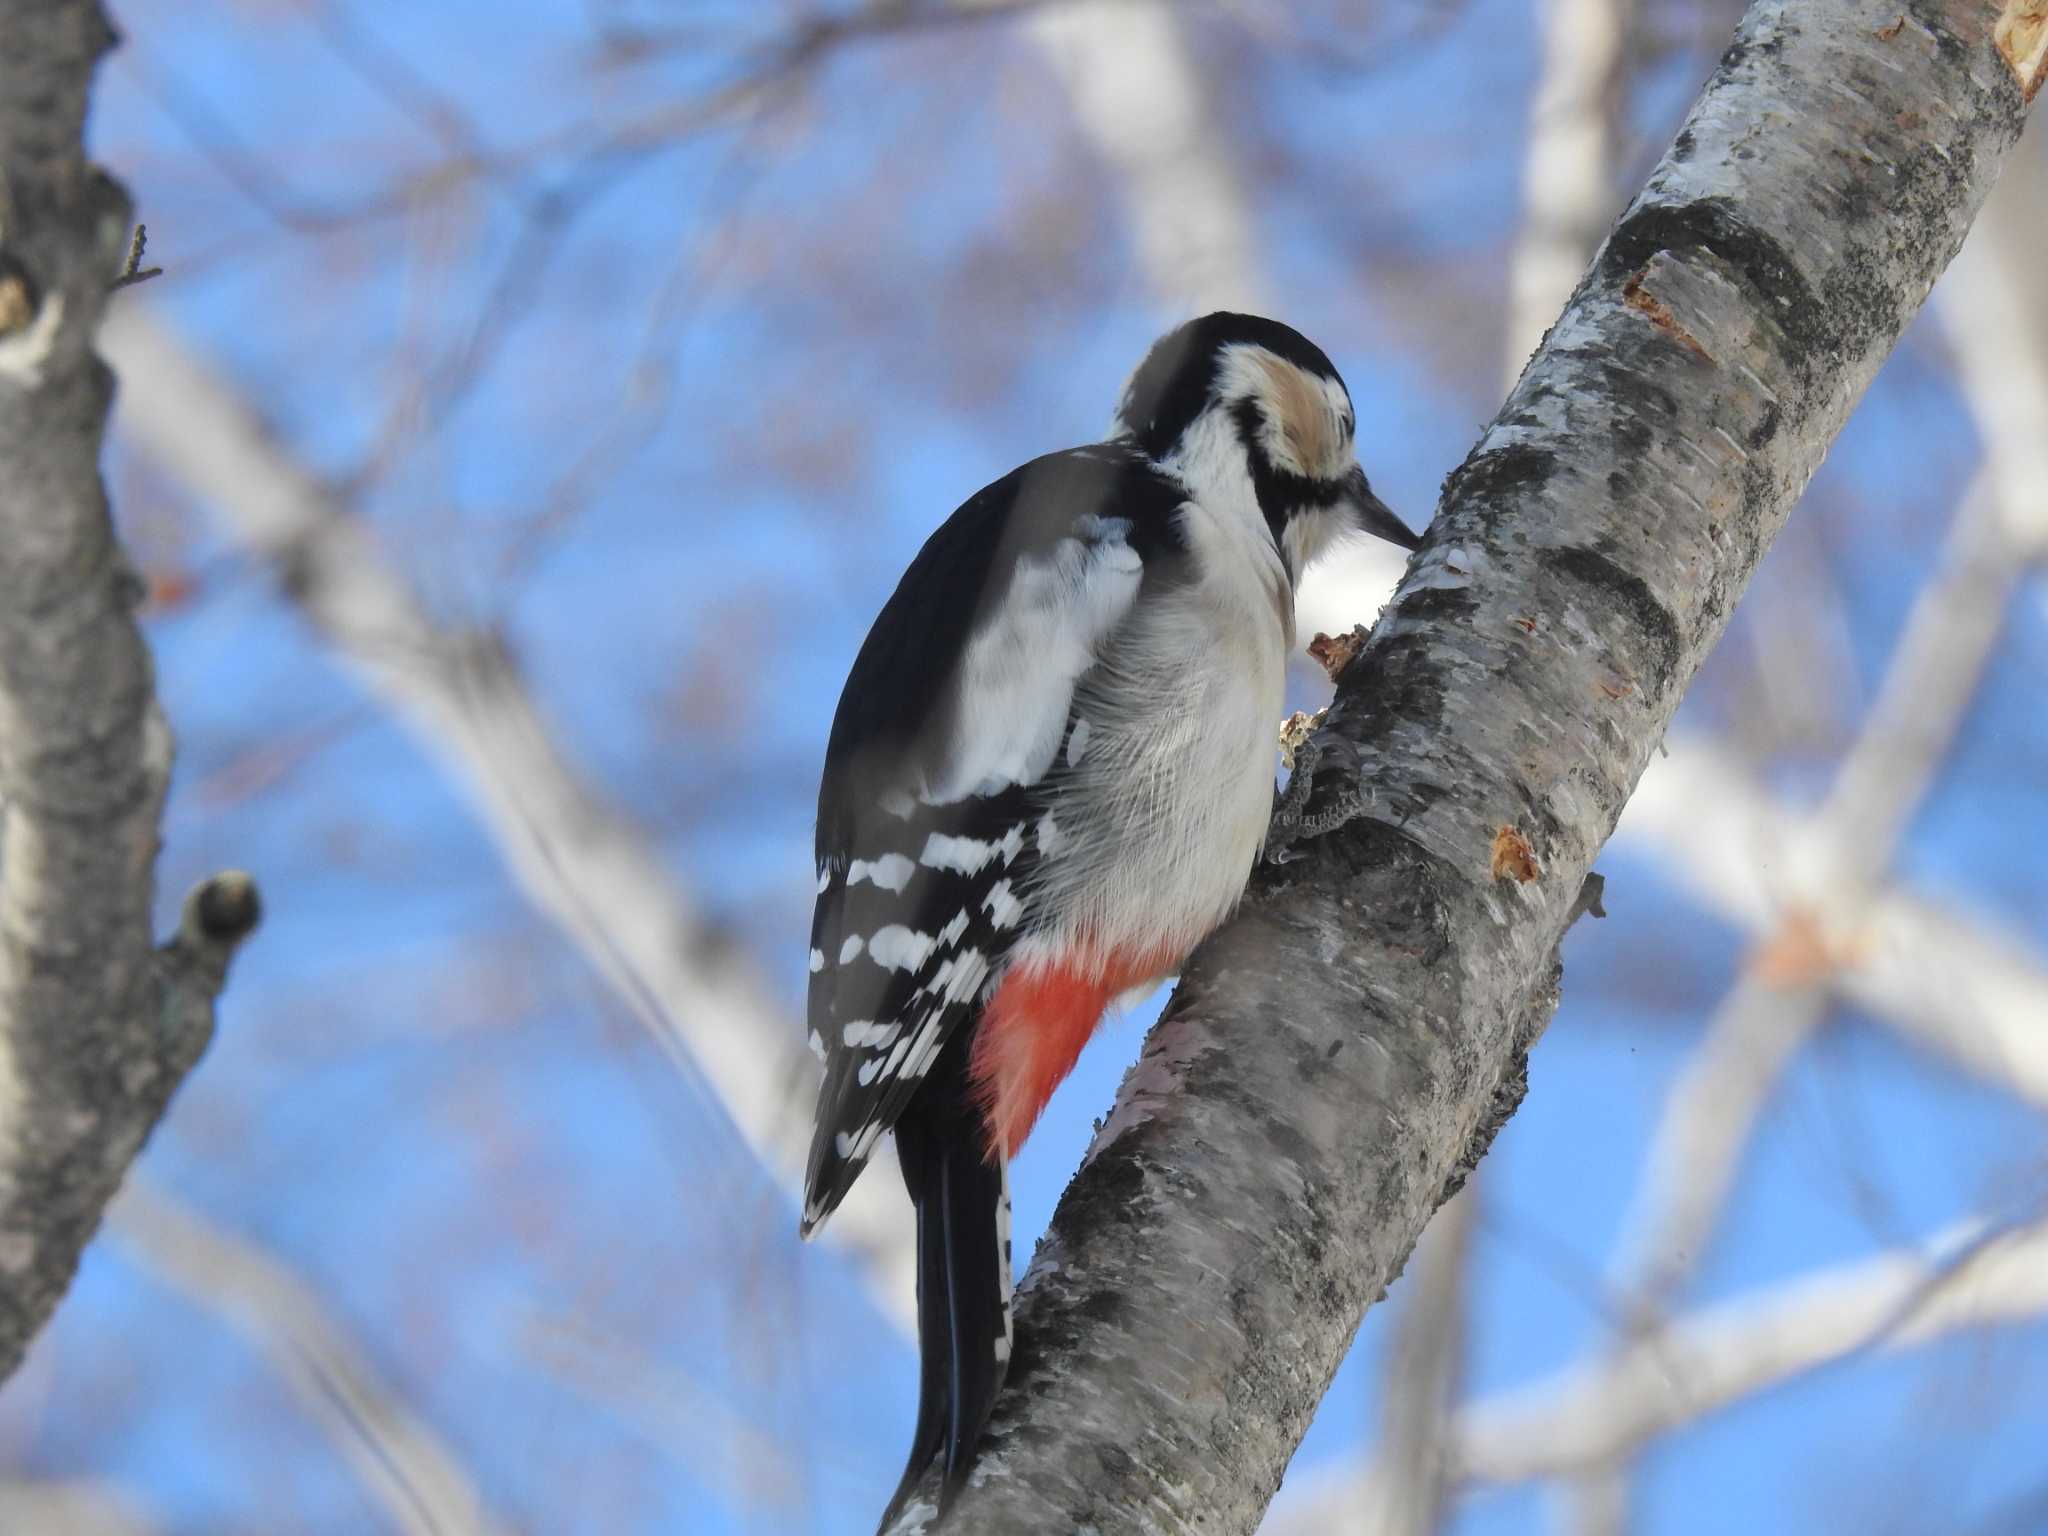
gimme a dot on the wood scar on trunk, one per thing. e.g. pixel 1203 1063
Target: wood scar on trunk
pixel 2021 37
pixel 1646 303
pixel 1513 858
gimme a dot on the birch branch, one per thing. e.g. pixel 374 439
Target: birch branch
pixel 579 859
pixel 1567 200
pixel 67 1509
pixel 1605 1409
pixel 1139 99
pixel 1410 1480
pixel 1338 1055
pixel 2000 328
pixel 1897 1301
pixel 98 1026
pixel 396 1455
pixel 1837 860
pixel 1786 993
pixel 1948 984
pixel 1567 170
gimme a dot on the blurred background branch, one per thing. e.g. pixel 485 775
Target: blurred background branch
pixel 1839 855
pixel 1569 199
pixel 421 1487
pixel 537 405
pixel 582 861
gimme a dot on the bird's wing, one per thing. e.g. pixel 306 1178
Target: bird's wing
pixel 952 720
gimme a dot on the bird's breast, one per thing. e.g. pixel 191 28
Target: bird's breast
pixel 1162 808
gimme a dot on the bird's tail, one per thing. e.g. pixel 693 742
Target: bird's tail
pixel 963 1294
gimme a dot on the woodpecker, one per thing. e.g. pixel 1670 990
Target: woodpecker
pixel 1049 777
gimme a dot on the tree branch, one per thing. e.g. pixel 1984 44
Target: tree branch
pixel 1836 863
pixel 1420 1386
pixel 1604 1409
pixel 1568 167
pixel 579 858
pixel 400 1460
pixel 1337 1055
pixel 1942 982
pixel 1139 100
pixel 97 1026
pixel 72 1508
pixel 1567 201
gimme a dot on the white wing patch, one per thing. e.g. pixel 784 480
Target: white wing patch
pixel 965 855
pixel 1002 906
pixel 864 1035
pixel 891 872
pixel 1017 676
pixel 958 977
pixel 1004 1285
pixel 924 1048
pixel 856 1147
pixel 897 948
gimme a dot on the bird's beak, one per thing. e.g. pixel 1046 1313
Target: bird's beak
pixel 1371 515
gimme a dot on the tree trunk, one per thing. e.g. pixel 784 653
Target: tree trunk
pixel 97 1026
pixel 1340 1054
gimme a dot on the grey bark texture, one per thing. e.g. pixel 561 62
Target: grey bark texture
pixel 97 1024
pixel 1340 1054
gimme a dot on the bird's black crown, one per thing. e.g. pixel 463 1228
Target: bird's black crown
pixel 1178 377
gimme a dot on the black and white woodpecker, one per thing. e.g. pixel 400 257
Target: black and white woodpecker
pixel 1049 777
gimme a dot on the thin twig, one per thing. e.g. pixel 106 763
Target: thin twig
pixel 133 271
pixel 397 1455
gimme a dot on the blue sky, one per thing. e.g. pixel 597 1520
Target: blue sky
pixel 854 311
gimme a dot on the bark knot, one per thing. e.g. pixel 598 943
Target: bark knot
pixel 226 909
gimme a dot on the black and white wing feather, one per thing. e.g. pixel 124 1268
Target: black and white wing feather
pixel 942 753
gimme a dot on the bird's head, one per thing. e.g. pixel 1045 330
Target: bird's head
pixel 1231 398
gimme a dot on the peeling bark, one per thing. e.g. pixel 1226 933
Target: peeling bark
pixel 97 1025
pixel 1339 1055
